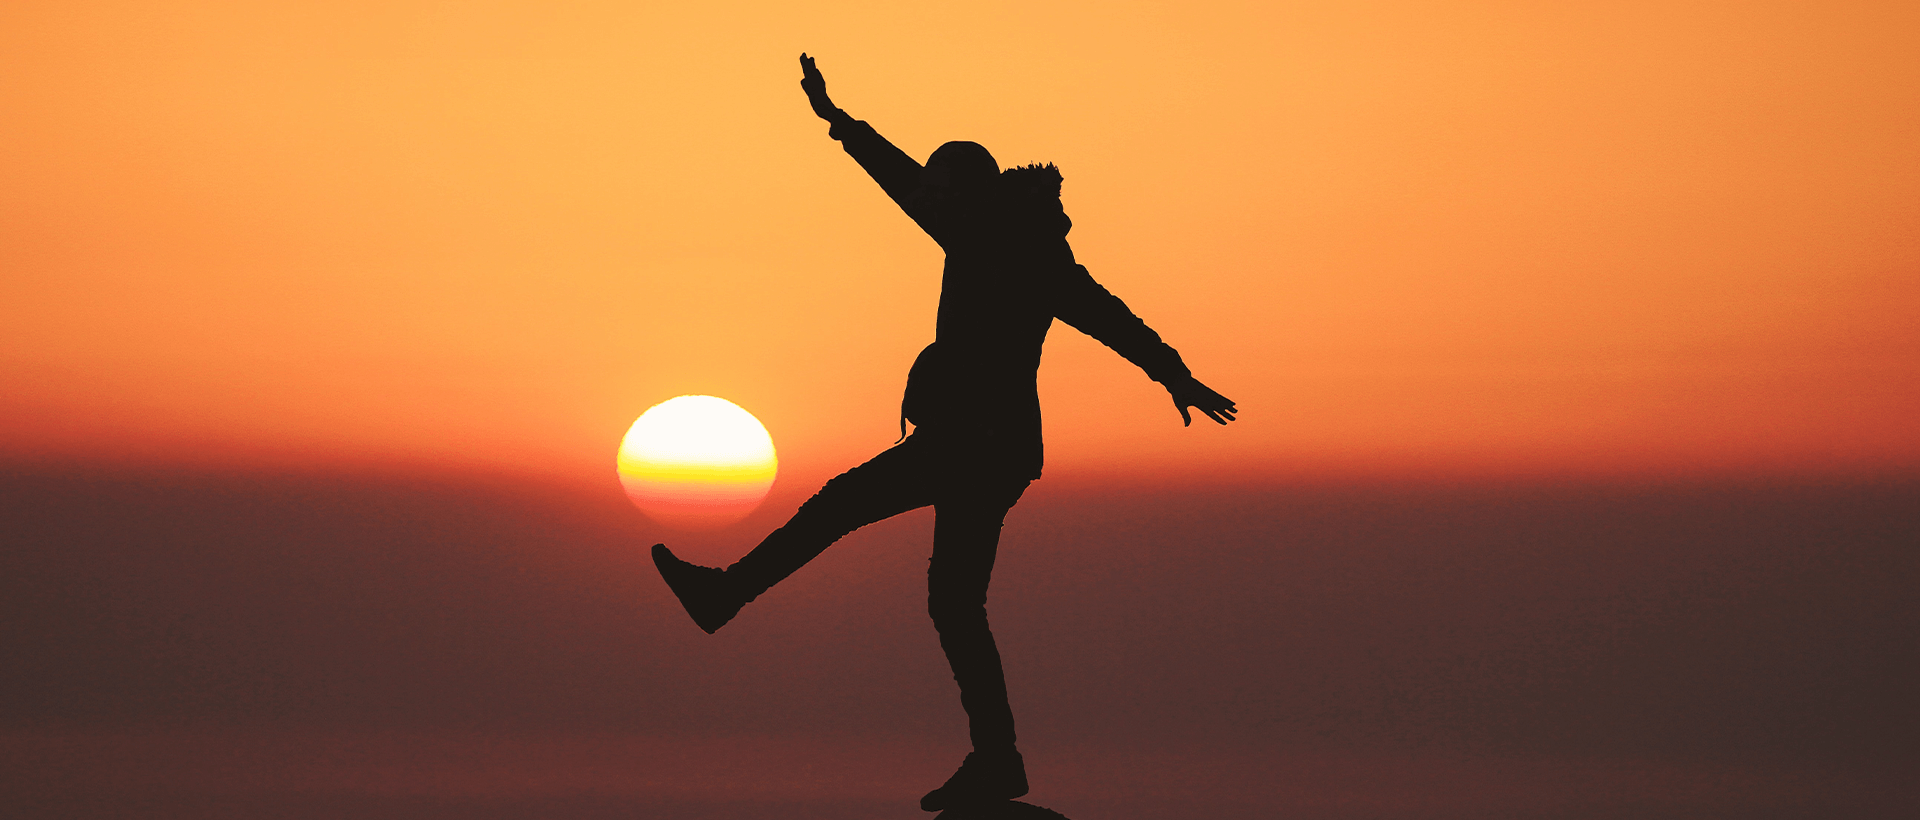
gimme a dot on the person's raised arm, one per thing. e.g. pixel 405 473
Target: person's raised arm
pixel 815 84
pixel 897 173
pixel 1091 309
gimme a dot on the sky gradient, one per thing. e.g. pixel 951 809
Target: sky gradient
pixel 1407 237
pixel 1577 347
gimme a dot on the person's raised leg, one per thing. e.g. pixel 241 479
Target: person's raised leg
pixel 889 484
pixel 965 540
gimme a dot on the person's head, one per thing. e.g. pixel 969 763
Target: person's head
pixel 959 169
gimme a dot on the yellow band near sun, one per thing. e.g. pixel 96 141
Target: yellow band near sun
pixel 707 473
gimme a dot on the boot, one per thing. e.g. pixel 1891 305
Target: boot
pixel 985 777
pixel 707 593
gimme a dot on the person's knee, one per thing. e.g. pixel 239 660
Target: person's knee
pixel 835 486
pixel 952 609
pixel 826 507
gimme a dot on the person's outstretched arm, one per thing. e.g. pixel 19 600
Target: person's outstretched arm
pixel 897 173
pixel 1092 310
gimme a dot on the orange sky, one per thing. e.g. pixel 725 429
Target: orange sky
pixel 1567 238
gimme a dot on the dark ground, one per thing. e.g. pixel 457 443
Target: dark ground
pixel 277 645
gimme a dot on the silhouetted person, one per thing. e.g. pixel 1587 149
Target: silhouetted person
pixel 972 398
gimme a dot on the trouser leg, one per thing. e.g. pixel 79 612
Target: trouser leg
pixel 891 483
pixel 966 534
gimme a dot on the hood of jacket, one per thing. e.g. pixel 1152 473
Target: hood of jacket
pixel 1033 194
pixel 1033 180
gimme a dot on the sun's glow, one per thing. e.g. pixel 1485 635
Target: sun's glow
pixel 696 462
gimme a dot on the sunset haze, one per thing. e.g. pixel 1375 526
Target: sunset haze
pixel 1576 351
pixel 1405 237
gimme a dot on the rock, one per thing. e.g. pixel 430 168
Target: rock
pixel 1010 810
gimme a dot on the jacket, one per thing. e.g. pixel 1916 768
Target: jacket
pixel 1009 273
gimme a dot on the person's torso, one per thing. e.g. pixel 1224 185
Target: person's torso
pixel 998 297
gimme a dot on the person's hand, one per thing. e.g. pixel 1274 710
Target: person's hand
pixel 815 85
pixel 1189 392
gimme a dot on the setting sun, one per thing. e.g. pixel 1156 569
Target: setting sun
pixel 697 461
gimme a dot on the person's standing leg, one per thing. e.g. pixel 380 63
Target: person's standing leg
pixel 966 536
pixel 891 483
